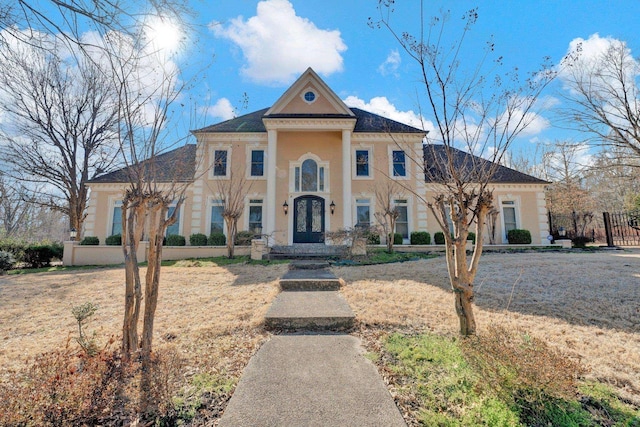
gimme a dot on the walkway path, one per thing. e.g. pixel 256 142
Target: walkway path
pixel 311 375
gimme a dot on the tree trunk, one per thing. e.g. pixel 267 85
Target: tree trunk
pixel 464 310
pixel 132 220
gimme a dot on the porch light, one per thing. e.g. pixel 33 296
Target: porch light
pixel 332 206
pixel 285 207
pixel 73 234
pixel 562 232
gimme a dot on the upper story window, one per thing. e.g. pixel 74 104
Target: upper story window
pixel 309 97
pixel 257 162
pixel 220 162
pixel 399 163
pixel 309 177
pixel 362 163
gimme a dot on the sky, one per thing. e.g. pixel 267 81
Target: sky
pixel 259 48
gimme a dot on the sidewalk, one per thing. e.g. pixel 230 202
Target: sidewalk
pixel 305 378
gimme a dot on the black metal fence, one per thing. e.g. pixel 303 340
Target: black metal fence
pixel 610 228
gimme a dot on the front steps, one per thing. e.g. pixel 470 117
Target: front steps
pixel 309 300
pixel 308 251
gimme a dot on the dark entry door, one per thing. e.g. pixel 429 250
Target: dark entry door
pixel 308 219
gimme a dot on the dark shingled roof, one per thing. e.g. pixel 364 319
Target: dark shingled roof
pixel 365 122
pixel 435 160
pixel 178 165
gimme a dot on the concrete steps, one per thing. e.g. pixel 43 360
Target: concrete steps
pixel 309 301
pixel 308 251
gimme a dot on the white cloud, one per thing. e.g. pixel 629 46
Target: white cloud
pixel 391 64
pixel 380 105
pixel 222 109
pixel 278 45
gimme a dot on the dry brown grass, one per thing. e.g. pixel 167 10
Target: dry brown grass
pixel 586 304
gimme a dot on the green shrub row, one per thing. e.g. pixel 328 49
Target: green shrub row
pixel 33 255
pixel 519 237
pixel 420 238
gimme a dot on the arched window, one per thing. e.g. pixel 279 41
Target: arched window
pixel 309 175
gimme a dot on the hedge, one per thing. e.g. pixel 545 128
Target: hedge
pixel 175 240
pixel 438 238
pixel 217 239
pixel 90 241
pixel 420 238
pixel 373 239
pixel 519 237
pixel 243 238
pixel 198 239
pixel 114 240
pixel 37 256
pixel 7 261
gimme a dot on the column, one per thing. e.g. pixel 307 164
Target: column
pixel 271 203
pixel 347 221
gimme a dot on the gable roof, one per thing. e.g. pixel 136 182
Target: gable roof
pixel 177 165
pixel 435 161
pixel 366 122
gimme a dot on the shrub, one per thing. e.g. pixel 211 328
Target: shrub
pixel 176 240
pixel 217 239
pixel 471 236
pixel 243 238
pixel 114 240
pixel 90 241
pixel 198 239
pixel 373 238
pixel 37 256
pixel 519 237
pixel 14 247
pixel 438 238
pixel 397 238
pixel 7 261
pixel 420 238
pixel 580 241
pixel 57 250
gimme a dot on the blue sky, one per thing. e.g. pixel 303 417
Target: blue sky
pixel 259 48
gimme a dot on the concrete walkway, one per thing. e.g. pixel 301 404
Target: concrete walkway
pixel 305 378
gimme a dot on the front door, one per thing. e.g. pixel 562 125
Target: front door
pixel 308 219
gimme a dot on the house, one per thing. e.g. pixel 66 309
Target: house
pixel 313 165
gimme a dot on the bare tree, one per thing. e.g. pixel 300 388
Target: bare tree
pixel 387 213
pixel 477 109
pixel 604 96
pixel 15 208
pixel 60 123
pixel 232 190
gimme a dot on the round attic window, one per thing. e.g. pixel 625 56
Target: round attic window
pixel 309 96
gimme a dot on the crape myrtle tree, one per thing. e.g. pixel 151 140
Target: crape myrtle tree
pixel 387 213
pixel 58 116
pixel 476 108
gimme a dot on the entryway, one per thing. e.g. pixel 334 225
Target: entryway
pixel 308 219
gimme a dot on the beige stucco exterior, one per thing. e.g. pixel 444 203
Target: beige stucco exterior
pixel 322 130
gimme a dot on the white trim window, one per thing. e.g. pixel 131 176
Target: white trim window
pixel 256 162
pixel 363 213
pixel 176 226
pixel 402 222
pixel 398 164
pixel 115 225
pixel 220 162
pixel 509 208
pixel 362 163
pixel 310 175
pixel 216 220
pixel 254 223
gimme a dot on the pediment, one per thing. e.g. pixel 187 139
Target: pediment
pixel 309 95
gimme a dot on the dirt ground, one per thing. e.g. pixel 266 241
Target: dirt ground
pixel 587 304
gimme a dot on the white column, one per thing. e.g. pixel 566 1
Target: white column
pixel 271 204
pixel 347 221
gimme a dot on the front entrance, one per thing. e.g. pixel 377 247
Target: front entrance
pixel 308 219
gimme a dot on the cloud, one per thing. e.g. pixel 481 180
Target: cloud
pixel 278 45
pixel 391 64
pixel 380 105
pixel 222 109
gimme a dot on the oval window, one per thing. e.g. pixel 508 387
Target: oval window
pixel 309 96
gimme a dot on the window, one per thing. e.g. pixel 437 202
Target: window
pixel 509 216
pixel 116 222
pixel 362 162
pixel 257 162
pixel 402 223
pixel 309 177
pixel 255 215
pixel 220 163
pixel 175 227
pixel 309 96
pixel 217 220
pixel 363 213
pixel 399 166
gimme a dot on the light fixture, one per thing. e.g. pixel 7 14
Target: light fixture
pixel 285 207
pixel 332 206
pixel 73 234
pixel 562 232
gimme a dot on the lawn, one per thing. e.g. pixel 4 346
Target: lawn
pixel 585 304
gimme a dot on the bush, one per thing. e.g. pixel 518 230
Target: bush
pixel 37 256
pixel 243 238
pixel 176 240
pixel 472 236
pixel 7 261
pixel 438 238
pixel 57 250
pixel 397 238
pixel 519 237
pixel 198 239
pixel 420 238
pixel 90 241
pixel 217 239
pixel 372 238
pixel 580 241
pixel 14 247
pixel 114 240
